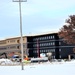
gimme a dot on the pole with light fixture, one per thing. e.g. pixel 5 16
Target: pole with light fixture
pixel 21 29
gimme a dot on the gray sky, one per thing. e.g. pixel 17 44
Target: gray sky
pixel 37 16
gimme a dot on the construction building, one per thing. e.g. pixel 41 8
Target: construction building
pixel 34 45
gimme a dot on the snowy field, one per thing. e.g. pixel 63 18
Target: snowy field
pixel 63 68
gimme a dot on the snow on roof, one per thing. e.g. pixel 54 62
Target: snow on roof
pixel 43 33
pixel 37 34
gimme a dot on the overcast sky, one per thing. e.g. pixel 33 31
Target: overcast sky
pixel 37 16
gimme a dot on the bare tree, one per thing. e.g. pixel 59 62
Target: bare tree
pixel 67 32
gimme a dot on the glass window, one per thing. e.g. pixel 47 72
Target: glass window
pixel 43 44
pixel 53 36
pixel 53 43
pixel 12 40
pixel 40 44
pixel 44 50
pixel 2 42
pixel 40 51
pixel 12 47
pixel 18 41
pixel 48 50
pixel 42 38
pixel 48 43
pixel 60 50
pixel 3 48
pixel 60 56
pixel 18 47
pixel 47 37
pixel 59 43
pixel 53 50
pixel 54 57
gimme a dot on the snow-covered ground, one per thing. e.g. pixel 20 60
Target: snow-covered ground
pixel 55 68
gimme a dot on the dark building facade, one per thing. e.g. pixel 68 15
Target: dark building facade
pixel 34 45
pixel 50 42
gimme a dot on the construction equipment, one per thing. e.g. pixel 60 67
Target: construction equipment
pixel 26 57
pixel 4 54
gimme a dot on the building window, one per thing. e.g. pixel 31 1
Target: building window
pixel 11 41
pixel 18 41
pixel 3 42
pixel 35 51
pixel 40 38
pixel 3 48
pixel 24 46
pixel 42 51
pixel 48 50
pixel 54 57
pixel 53 50
pixel 46 44
pixel 23 39
pixel 53 36
pixel 49 43
pixel 49 37
pixel 60 50
pixel 41 44
pixel 59 43
pixel 53 43
pixel 60 56
pixel 18 47
pixel 12 47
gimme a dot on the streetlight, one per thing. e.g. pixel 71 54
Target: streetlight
pixel 21 29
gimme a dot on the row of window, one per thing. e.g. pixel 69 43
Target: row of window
pixel 44 44
pixel 12 41
pixel 3 48
pixel 12 47
pixel 44 38
pixel 2 42
pixel 45 51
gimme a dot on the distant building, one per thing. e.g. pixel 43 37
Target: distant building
pixel 12 46
pixel 34 45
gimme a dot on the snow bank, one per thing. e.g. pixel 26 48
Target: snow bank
pixel 66 68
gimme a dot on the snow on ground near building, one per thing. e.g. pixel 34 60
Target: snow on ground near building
pixel 64 68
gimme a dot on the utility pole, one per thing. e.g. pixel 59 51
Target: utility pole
pixel 19 1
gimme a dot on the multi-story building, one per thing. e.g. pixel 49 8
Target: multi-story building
pixel 49 42
pixel 34 45
pixel 12 46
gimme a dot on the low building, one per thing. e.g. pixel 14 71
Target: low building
pixel 12 46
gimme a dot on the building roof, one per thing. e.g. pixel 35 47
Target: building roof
pixel 44 33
